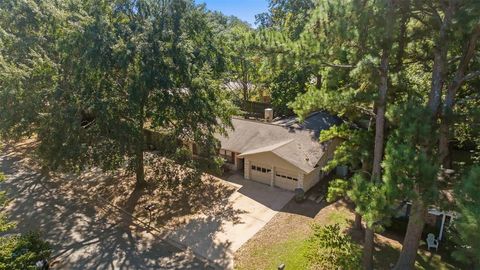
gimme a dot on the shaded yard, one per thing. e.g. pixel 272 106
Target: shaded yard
pixel 98 220
pixel 175 194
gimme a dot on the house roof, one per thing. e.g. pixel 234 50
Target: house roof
pixel 295 142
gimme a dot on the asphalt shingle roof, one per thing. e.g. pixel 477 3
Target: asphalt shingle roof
pixel 295 142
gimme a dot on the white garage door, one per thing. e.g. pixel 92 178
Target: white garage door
pixel 285 180
pixel 260 173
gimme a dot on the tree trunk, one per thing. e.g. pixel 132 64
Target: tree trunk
pixel 139 169
pixel 379 126
pixel 417 218
pixel 444 142
pixel 358 221
pixel 411 241
pixel 402 37
pixel 318 83
pixel 447 112
pixel 368 249
pixel 245 91
pixel 245 97
pixel 439 62
pixel 139 163
pixel 380 118
pixel 377 154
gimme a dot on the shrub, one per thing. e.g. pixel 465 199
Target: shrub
pixel 19 251
pixel 331 249
pixel 22 251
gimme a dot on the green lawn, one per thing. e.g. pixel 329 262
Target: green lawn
pixel 270 248
pixel 290 252
pixel 290 249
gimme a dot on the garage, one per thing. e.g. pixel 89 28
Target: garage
pixel 260 173
pixel 285 179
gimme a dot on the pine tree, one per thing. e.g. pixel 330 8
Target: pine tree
pixel 466 226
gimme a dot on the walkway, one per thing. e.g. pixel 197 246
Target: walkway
pixel 216 237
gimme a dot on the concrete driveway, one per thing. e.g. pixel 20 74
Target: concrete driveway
pixel 83 237
pixel 217 236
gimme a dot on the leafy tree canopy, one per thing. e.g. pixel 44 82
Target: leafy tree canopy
pixel 87 77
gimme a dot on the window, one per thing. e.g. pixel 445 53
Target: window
pixel 287 177
pixel 228 156
pixel 260 169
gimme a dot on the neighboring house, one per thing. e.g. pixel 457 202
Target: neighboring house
pixel 282 153
pixel 437 220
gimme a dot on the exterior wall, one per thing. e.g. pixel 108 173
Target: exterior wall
pixel 316 175
pixel 230 166
pixel 236 164
pixel 276 165
pixel 269 158
pixel 279 166
pixel 312 178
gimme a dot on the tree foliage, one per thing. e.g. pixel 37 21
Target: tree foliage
pixel 87 77
pixel 23 251
pixel 467 236
pixel 330 248
pixel 407 165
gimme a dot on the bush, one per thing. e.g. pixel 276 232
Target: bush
pixel 19 251
pixel 331 249
pixel 22 251
pixel 299 195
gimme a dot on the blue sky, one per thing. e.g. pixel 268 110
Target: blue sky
pixel 243 9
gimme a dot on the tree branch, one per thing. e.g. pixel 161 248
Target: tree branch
pixel 471 76
pixel 339 65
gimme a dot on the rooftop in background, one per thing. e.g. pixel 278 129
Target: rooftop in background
pixel 316 122
pixel 245 10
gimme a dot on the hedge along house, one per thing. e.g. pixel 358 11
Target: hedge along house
pixel 283 153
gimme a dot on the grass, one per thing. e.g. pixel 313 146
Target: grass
pixel 340 217
pixel 387 254
pixel 290 252
pixel 289 246
pixel 285 240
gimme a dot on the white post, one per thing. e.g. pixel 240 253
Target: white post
pixel 441 227
pixel 272 179
pixel 246 170
pixel 235 161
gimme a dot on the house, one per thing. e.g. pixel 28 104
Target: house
pixel 437 220
pixel 282 152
